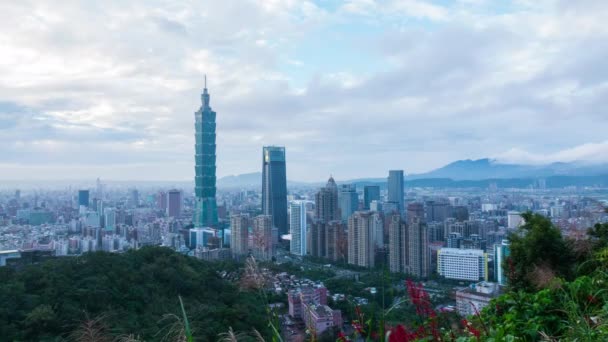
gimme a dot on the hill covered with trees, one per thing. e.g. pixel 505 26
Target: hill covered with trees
pixel 120 295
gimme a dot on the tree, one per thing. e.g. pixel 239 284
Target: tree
pixel 538 254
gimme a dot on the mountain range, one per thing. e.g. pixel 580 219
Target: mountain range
pixel 463 172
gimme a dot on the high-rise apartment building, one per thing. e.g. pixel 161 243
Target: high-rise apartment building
pixel 326 202
pixel 239 234
pixel 263 247
pixel 419 257
pixel 297 227
pixel 335 241
pixel 370 193
pixel 348 200
pixel 174 203
pixel 205 209
pixel 274 186
pixel 397 244
pixel 365 229
pixel 396 189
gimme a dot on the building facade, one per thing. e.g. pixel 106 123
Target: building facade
pixel 370 193
pixel 501 253
pixel 263 244
pixel 298 227
pixel 326 202
pixel 348 200
pixel 174 203
pixel 239 234
pixel 274 186
pixel 419 257
pixel 396 189
pixel 205 210
pixel 364 228
pixel 462 264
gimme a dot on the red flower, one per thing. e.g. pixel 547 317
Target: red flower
pixel 398 334
pixel 342 337
pixel 471 329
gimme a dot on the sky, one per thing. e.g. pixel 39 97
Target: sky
pixel 351 88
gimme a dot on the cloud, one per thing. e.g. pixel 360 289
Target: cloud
pixel 352 88
pixel 589 153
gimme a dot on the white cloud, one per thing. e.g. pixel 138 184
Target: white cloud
pixel 409 84
pixel 589 153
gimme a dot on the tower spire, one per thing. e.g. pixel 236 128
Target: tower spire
pixel 205 81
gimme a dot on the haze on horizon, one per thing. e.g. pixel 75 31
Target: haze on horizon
pixel 351 88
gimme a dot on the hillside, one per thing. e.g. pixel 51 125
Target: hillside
pixel 129 293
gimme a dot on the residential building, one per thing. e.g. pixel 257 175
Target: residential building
pixel 239 234
pixel 297 227
pixel 364 238
pixel 326 202
pixel 263 244
pixel 418 261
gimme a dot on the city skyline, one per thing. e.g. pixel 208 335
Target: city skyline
pixel 421 84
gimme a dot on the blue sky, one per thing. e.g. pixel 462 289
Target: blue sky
pixel 351 88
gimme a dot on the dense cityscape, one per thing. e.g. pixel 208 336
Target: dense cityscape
pixel 303 171
pixel 454 237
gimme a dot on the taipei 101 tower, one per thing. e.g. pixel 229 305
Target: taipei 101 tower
pixel 205 210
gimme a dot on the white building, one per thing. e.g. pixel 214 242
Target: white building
pixel 297 227
pixel 470 300
pixel 462 264
pixel 514 220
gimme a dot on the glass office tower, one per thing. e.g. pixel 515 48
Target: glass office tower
pixel 274 186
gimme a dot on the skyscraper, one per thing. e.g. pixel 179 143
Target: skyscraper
pixel 274 186
pixel 395 188
pixel 83 198
pixel 326 202
pixel 370 193
pixel 348 200
pixel 174 203
pixel 297 227
pixel 205 210
pixel 239 234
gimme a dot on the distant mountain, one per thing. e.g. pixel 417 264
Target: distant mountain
pixel 246 180
pixel 463 173
pixel 253 180
pixel 490 169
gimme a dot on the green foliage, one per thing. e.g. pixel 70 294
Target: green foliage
pixel 131 291
pixel 538 254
